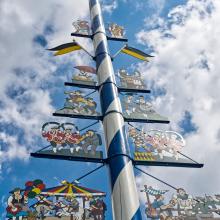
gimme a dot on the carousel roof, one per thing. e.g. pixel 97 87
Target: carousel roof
pixel 71 189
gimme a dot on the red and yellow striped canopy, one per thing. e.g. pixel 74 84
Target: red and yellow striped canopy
pixel 71 189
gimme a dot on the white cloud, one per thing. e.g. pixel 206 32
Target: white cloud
pixel 153 21
pixel 186 65
pixel 28 76
pixel 109 7
pixel 15 151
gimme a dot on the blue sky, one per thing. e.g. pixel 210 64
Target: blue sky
pixel 183 36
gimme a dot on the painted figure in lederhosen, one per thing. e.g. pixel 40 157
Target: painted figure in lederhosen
pixel 54 134
pixel 124 78
pixel 75 101
pixel 90 106
pixel 73 205
pixel 153 208
pixel 72 136
pixel 138 139
pixel 128 104
pixel 156 140
pixel 184 202
pixel 80 105
pixel 61 208
pixel 17 205
pixel 91 139
pixel 143 107
pixel 166 211
pixel 43 207
pixel 138 81
pixel 157 204
pixel 97 208
pixel 131 81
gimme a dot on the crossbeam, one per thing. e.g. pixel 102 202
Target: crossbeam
pixel 69 157
pixel 167 164
pixel 91 37
pixel 146 120
pixel 78 116
pixel 96 87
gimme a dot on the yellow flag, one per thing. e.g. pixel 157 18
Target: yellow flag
pixel 136 53
pixel 65 48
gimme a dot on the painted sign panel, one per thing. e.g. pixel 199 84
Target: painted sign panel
pixel 81 27
pixel 131 80
pixel 77 104
pixel 65 140
pixel 136 107
pixel 85 76
pixel 165 205
pixel 116 30
pixel 67 201
pixel 157 145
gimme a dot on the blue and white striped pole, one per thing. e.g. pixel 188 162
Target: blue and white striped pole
pixel 125 200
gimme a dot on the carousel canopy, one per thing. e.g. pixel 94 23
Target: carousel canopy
pixel 71 189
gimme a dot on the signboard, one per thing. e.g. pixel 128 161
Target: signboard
pixel 81 27
pixel 67 201
pixel 136 107
pixel 66 140
pixel 158 146
pixel 78 104
pixel 116 31
pixel 85 76
pixel 164 205
pixel 132 80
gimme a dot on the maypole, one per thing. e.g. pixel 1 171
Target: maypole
pixel 68 142
pixel 125 200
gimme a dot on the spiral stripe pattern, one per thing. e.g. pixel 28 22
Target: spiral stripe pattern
pixel 125 200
